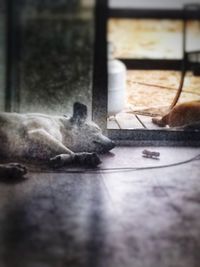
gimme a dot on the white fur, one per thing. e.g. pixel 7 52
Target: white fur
pixel 42 136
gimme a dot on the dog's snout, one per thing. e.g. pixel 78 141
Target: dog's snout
pixel 105 146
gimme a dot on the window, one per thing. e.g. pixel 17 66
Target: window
pixel 159 52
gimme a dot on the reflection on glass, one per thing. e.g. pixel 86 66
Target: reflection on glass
pixel 56 55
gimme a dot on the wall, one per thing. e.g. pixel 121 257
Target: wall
pixel 2 57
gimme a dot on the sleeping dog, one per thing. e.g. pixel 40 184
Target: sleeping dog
pixel 185 115
pixel 59 140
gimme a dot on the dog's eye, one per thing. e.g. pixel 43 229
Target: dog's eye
pixel 96 143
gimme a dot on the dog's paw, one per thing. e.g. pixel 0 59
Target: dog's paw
pixel 60 160
pixel 93 160
pixel 88 159
pixel 15 170
pixel 56 162
pixel 82 159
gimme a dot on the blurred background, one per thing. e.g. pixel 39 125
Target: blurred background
pixel 155 50
pixel 49 48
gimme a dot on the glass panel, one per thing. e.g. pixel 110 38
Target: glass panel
pixel 56 55
pixel 151 38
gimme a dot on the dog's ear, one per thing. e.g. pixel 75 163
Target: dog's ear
pixel 79 113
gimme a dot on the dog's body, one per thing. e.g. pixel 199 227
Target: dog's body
pixel 62 139
pixel 186 115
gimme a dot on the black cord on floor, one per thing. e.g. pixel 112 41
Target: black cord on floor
pixel 120 169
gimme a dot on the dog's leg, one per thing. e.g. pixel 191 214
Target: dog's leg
pixel 42 145
pixel 82 159
pixel 12 170
pixel 47 147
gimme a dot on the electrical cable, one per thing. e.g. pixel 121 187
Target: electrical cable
pixel 121 169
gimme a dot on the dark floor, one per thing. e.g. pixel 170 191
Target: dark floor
pixel 143 218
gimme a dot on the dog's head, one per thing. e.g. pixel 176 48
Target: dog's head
pixel 86 136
